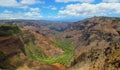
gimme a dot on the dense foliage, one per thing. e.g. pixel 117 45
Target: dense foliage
pixel 8 30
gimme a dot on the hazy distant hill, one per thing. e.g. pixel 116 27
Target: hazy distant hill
pixel 53 25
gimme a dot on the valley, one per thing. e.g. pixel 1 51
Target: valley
pixel 89 44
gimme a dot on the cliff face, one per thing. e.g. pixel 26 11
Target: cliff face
pixel 97 44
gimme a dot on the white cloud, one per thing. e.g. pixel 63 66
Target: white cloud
pixel 82 1
pixel 50 7
pixel 85 9
pixel 34 13
pixel 9 3
pixel 111 1
pixel 56 17
pixel 35 9
pixel 20 4
pixel 54 8
pixel 31 1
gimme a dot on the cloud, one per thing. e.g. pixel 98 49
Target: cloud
pixel 82 1
pixel 33 13
pixel 19 4
pixel 111 1
pixel 9 3
pixel 54 8
pixel 56 17
pixel 85 9
pixel 50 7
pixel 31 1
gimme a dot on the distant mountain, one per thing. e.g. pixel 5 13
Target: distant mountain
pixel 49 28
pixel 52 25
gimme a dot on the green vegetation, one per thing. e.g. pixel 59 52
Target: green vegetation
pixel 65 59
pixel 33 51
pixel 9 30
pixel 1 55
pixel 116 52
pixel 3 64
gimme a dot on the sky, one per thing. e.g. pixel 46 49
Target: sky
pixel 58 9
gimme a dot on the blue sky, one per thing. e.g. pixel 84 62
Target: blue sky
pixel 58 9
